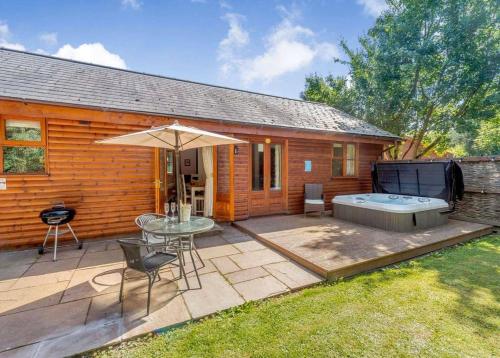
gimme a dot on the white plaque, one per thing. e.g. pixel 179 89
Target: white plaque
pixel 3 183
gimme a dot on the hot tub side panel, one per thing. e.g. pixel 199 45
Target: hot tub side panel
pixel 399 222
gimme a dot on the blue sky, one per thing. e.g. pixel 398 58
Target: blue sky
pixel 264 46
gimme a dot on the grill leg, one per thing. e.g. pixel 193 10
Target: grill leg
pixel 55 242
pixel 47 236
pixel 73 233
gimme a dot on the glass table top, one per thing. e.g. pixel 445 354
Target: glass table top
pixel 196 225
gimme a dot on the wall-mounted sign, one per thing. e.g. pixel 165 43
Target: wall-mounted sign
pixel 307 166
pixel 187 162
pixel 3 183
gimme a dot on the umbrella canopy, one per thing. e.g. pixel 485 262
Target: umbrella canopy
pixel 165 137
pixel 175 137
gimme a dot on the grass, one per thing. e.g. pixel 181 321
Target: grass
pixel 446 304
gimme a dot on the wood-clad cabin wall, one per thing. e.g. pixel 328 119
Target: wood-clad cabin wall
pixel 320 153
pixel 300 150
pixel 110 185
pixel 107 185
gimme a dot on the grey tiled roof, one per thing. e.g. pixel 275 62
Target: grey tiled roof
pixel 40 78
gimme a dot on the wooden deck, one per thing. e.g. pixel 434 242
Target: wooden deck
pixel 334 248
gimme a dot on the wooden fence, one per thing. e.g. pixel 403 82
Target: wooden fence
pixel 481 202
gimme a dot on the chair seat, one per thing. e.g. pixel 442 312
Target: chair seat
pixel 314 201
pixel 154 261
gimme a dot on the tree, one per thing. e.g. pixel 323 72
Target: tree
pixel 425 67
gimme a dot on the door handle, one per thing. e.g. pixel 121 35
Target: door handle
pixel 157 183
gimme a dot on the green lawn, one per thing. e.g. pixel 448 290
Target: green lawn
pixel 446 304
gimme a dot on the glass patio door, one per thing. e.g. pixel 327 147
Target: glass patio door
pixel 266 178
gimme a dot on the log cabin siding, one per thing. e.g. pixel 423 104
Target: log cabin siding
pixel 107 185
pixel 320 153
pixel 110 185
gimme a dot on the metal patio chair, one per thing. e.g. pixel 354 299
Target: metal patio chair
pixel 314 198
pixel 149 263
pixel 148 237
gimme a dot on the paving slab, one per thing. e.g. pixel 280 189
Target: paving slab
pixel 216 295
pixel 41 273
pixel 259 288
pixel 62 253
pixel 14 258
pixel 167 314
pixel 135 302
pixel 225 265
pixel 94 281
pixel 217 251
pixel 293 275
pixel 104 309
pixel 247 246
pixel 28 298
pixel 257 258
pixel 85 338
pixel 246 275
pixel 45 323
pixel 101 258
pixel 21 352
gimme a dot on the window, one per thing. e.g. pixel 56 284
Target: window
pixel 275 166
pixel 344 160
pixel 257 166
pixel 350 161
pixel 22 146
pixel 170 162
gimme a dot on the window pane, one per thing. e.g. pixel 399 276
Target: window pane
pixel 351 151
pixel 350 167
pixel 23 130
pixel 275 166
pixel 337 167
pixel 338 150
pixel 170 162
pixel 257 166
pixel 17 160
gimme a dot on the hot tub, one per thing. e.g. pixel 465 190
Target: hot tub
pixel 391 212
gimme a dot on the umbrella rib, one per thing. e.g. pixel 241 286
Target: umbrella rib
pixel 164 141
pixel 189 141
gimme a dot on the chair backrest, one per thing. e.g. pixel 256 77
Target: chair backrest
pixel 313 191
pixel 143 219
pixel 133 254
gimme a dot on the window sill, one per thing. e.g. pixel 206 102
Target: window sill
pixel 8 175
pixel 345 177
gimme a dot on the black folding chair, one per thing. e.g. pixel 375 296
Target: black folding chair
pixel 139 259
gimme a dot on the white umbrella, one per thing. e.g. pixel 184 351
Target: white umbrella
pixel 175 137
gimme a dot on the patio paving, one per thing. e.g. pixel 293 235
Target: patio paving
pixel 52 309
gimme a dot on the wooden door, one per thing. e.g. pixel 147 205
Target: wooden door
pixel 164 178
pixel 223 182
pixel 267 177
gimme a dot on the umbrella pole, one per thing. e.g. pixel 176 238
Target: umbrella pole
pixel 178 176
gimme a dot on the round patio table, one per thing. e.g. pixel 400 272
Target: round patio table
pixel 180 230
pixel 196 225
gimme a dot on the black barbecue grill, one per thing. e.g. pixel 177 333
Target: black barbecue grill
pixel 57 215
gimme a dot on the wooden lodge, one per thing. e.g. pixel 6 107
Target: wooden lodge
pixel 53 110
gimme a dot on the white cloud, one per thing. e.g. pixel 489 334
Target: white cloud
pixel 4 38
pixel 373 7
pixel 49 38
pixel 133 4
pixel 225 5
pixel 288 48
pixel 92 53
pixel 235 39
